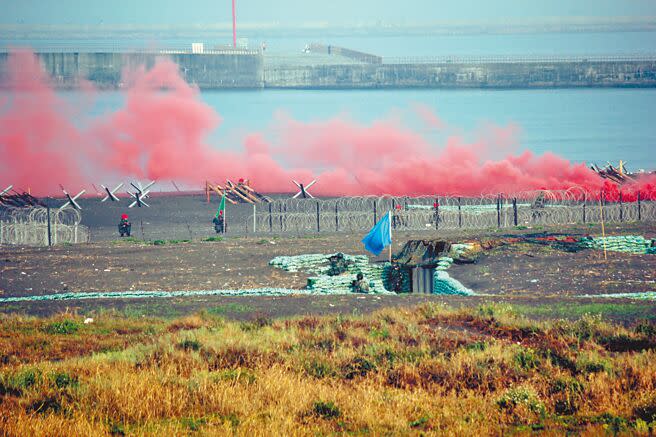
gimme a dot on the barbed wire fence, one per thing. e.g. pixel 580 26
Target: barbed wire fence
pixel 29 226
pixel 537 208
pixel 39 226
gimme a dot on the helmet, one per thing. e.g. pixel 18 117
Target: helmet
pixel 124 217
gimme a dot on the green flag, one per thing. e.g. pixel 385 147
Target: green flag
pixel 221 207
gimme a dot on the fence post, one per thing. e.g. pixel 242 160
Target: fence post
pixel 318 222
pixel 498 210
pixel 49 230
pixel 585 198
pixel 621 208
pixel 270 218
pixel 639 208
pixel 336 218
pixel 375 213
pixel 514 203
pixel 459 214
pixel 394 216
pixel 437 213
pixel 254 218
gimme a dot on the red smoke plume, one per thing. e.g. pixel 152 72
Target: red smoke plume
pixel 160 133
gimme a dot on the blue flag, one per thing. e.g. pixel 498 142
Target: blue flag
pixel 379 236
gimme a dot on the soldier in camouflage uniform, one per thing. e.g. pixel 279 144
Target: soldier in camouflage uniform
pixel 360 285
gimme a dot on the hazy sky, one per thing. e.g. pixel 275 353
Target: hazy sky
pixel 333 12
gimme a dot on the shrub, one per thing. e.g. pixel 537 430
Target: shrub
pixel 63 380
pixel 188 344
pixel 382 333
pixel 116 429
pixel 192 423
pixel 318 369
pixel 558 359
pixel 647 329
pixel 326 410
pixel 64 327
pixel 616 424
pixel 476 346
pixel 45 405
pixel 567 393
pixel 259 322
pixel 521 400
pixel 527 359
pixel 419 423
pixel 359 366
pixel 587 326
pixel 17 383
pixel 159 242
pixel 647 410
pixel 25 379
pixel 593 364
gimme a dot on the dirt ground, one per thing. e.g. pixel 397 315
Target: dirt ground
pixel 519 273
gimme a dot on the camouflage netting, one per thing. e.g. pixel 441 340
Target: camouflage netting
pixel 445 284
pixel 336 272
pixel 625 243
pixel 422 253
pixel 647 295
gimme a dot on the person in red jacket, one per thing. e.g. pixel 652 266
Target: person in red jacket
pixel 124 226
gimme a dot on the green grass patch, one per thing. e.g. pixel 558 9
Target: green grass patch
pixel 64 327
pixel 642 310
pixel 213 239
pixel 127 240
pixel 240 375
pixel 229 308
pixel 63 380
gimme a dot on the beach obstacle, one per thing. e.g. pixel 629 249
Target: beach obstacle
pixel 240 192
pixel 303 190
pixel 6 190
pixel 111 194
pixel 72 200
pixel 140 194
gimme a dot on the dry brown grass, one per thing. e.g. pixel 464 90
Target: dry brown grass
pixel 422 370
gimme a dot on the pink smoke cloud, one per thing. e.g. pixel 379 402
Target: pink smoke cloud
pixel 161 133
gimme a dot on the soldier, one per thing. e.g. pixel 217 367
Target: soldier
pixel 218 223
pixel 360 285
pixel 124 226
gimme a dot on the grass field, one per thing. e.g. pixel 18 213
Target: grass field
pixel 423 369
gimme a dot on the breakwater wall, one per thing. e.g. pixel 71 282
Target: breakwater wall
pixel 367 58
pixel 466 75
pixel 248 69
pixel 217 69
